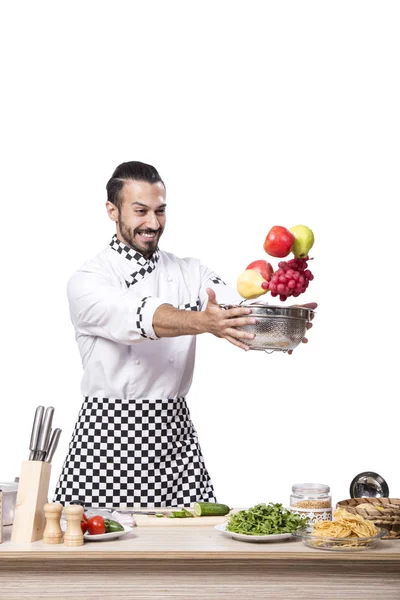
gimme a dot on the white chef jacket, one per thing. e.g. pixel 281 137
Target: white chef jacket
pixel 112 300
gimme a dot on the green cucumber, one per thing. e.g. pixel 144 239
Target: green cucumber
pixel 210 509
pixel 181 514
pixel 112 526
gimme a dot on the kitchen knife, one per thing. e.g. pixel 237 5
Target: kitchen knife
pixel 137 511
pixel 37 422
pixel 142 512
pixel 52 445
pixel 45 433
pixel 124 510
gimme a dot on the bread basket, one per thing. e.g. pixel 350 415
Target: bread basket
pixel 383 512
pixel 278 328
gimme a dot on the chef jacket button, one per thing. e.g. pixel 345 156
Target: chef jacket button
pixel 137 362
pixel 169 278
pixel 171 360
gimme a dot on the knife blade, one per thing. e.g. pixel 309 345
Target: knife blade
pixel 45 432
pixel 142 512
pixel 133 511
pixel 52 445
pixel 37 422
pixel 123 510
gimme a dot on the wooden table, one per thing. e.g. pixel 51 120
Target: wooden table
pixel 195 563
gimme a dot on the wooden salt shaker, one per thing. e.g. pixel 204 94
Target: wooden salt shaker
pixel 52 533
pixel 74 534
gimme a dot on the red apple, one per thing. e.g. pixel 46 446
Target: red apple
pixel 263 267
pixel 279 241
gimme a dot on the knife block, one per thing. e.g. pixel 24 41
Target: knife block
pixel 33 488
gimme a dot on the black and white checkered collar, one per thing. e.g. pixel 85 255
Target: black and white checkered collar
pixel 141 265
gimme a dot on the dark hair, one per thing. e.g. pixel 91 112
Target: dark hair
pixel 133 170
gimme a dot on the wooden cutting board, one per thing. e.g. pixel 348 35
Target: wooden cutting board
pixel 153 521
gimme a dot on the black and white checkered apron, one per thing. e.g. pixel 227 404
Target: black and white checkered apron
pixel 134 453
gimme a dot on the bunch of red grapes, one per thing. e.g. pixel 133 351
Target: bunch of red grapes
pixel 291 279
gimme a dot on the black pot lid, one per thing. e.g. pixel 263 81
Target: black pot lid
pixel 369 485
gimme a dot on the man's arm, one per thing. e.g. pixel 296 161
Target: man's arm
pixel 99 308
pixel 171 322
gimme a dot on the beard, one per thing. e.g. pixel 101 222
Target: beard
pixel 130 237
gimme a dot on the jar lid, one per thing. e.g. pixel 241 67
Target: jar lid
pixel 311 488
pixel 369 485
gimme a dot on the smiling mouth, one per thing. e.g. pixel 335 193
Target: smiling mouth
pixel 148 235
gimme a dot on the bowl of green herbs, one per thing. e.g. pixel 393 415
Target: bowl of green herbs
pixel 262 523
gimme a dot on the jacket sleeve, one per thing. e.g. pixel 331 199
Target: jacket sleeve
pixel 224 293
pixel 101 309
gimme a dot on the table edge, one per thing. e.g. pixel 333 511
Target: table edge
pixel 292 557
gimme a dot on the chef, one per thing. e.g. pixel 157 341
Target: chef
pixel 136 311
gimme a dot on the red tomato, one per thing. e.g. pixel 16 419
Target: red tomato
pixel 84 522
pixel 96 525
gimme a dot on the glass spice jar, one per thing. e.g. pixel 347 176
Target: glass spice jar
pixel 311 500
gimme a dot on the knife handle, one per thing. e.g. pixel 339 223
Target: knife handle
pixel 45 431
pixel 52 446
pixel 37 423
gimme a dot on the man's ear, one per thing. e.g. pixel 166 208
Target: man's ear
pixel 112 211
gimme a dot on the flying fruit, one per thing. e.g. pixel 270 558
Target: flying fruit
pixel 263 267
pixel 249 284
pixel 279 241
pixel 303 240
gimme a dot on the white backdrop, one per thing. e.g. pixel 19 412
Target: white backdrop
pixel 255 114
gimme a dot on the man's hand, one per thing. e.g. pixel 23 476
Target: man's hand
pixel 169 321
pixel 223 323
pixel 313 306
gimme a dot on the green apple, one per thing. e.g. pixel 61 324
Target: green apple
pixel 303 240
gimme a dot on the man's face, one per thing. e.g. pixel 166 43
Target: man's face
pixel 141 218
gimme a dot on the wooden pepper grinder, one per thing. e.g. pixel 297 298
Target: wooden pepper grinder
pixel 52 533
pixel 74 534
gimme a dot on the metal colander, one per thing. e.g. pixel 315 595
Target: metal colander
pixel 278 328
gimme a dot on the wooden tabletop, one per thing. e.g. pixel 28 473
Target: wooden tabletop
pixel 189 544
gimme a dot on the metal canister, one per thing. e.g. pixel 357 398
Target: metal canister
pixel 369 485
pixel 9 492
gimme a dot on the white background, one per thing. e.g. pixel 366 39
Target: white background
pixel 255 114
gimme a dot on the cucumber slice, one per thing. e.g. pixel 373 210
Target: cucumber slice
pixel 210 509
pixel 181 514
